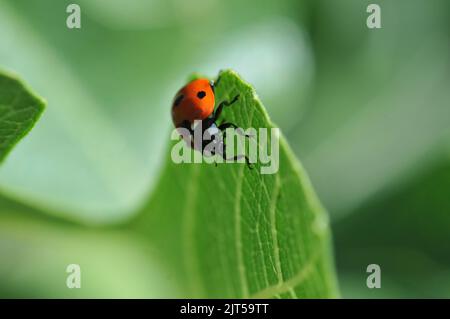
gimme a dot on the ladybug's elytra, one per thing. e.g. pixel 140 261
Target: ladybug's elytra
pixel 196 101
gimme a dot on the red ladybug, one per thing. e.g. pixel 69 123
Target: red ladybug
pixel 196 101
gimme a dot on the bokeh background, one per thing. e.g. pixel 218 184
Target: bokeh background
pixel 366 111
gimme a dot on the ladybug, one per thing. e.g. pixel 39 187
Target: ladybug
pixel 196 102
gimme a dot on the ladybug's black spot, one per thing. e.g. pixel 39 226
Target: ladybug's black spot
pixel 201 94
pixel 178 100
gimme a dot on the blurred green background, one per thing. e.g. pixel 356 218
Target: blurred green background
pixel 366 111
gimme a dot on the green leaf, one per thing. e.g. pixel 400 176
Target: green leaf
pixel 19 110
pixel 104 117
pixel 229 231
pixel 104 141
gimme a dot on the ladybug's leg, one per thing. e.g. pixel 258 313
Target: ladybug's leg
pixel 224 126
pixel 214 153
pixel 238 157
pixel 213 138
pixel 221 105
pixel 235 158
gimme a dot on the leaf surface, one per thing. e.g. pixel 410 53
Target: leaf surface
pixel 230 231
pixel 19 110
